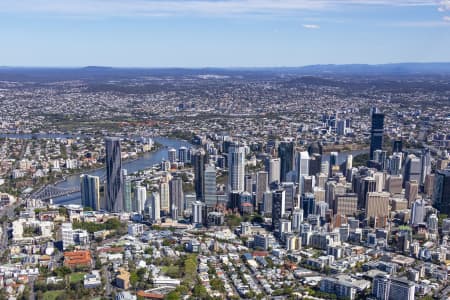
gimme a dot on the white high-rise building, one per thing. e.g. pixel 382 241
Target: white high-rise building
pixel 418 212
pixel 274 170
pixel 236 168
pixel 297 219
pixel 140 197
pixel 155 210
pixel 165 197
pixel 172 155
pixel 67 235
pixel 302 169
pixel 197 209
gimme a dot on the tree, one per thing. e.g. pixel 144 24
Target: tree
pixel 173 295
pixel 200 291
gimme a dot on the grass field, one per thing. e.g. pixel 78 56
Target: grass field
pixel 52 295
pixel 76 277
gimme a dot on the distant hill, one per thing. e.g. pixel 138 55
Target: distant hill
pixel 100 73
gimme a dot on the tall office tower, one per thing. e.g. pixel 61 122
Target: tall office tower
pixel 308 204
pixel 183 154
pixel 377 205
pixel 418 212
pixel 114 179
pixel 140 197
pixel 164 194
pixel 433 223
pixel 302 169
pixel 376 134
pixel 172 155
pixel 274 170
pixel 289 188
pixel 267 203
pixel 441 193
pixel 278 208
pixel 286 154
pixel 127 205
pixel 236 168
pixel 397 146
pixel 198 161
pixel 197 212
pixel 297 219
pixel 412 169
pixel 155 210
pixel 308 184
pixel 321 209
pixel 340 128
pixel 90 191
pixel 322 180
pixel 395 163
pixel 176 195
pixel 429 185
pixel 345 204
pixel 411 191
pixel 315 164
pixel 332 190
pixel 368 184
pixel 262 186
pixel 333 163
pixel 210 187
pixel 394 184
pixel 325 168
pixel 248 183
pixel 348 164
pixel 385 287
pixel 426 165
pixel 379 181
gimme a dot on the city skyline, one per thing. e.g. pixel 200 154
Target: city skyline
pixel 222 33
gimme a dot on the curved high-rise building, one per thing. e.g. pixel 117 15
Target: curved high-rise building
pixel 114 178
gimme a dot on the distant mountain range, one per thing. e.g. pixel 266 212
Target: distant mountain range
pixel 111 73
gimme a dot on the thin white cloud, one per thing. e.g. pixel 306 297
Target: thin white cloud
pixel 311 26
pixel 117 8
pixel 446 18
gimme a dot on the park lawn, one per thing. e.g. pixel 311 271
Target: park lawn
pixel 76 277
pixel 52 295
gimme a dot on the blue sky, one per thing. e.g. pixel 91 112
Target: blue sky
pixel 222 33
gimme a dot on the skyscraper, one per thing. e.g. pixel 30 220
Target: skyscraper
pixel 198 161
pixel 441 193
pixel 176 194
pixel 236 168
pixel 164 195
pixel 274 170
pixel 140 197
pixel 172 155
pixel 210 186
pixel 183 154
pixel 412 170
pixel 302 169
pixel 114 178
pixel 262 186
pixel 155 210
pixel 278 208
pixel 90 191
pixel 426 165
pixel 333 163
pixel 127 206
pixel 376 134
pixel 286 154
pixel 385 287
pixel 308 204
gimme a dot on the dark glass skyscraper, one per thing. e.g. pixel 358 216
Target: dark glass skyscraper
pixel 376 134
pixel 90 191
pixel 286 154
pixel 441 193
pixel 114 178
pixel 198 161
